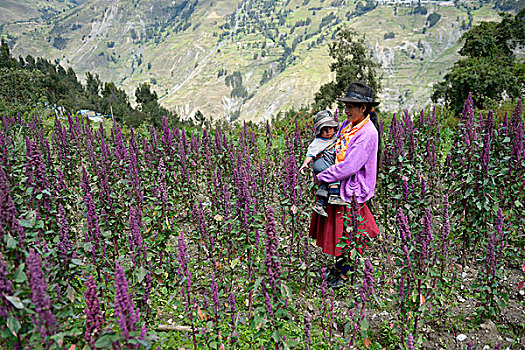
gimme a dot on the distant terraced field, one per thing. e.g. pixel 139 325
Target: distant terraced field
pixel 278 48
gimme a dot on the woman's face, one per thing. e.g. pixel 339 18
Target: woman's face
pixel 355 113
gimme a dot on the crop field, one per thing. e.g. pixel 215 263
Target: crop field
pixel 120 238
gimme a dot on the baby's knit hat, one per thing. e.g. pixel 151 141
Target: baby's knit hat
pixel 322 119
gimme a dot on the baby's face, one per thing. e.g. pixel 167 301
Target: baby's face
pixel 327 132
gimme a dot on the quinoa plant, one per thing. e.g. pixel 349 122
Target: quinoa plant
pixel 490 291
pixel 485 169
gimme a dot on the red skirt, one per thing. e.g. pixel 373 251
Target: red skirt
pixel 327 231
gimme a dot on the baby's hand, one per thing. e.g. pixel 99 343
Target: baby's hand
pixel 306 164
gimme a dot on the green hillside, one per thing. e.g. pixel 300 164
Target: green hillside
pixel 240 58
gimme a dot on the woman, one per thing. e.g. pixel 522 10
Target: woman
pixel 357 149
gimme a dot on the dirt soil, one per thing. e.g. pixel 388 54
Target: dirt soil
pixel 507 329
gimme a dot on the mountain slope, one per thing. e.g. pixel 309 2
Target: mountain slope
pixel 242 58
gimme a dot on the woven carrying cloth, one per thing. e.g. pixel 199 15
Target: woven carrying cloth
pixel 346 134
pixel 327 231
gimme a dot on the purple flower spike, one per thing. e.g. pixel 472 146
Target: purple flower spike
pixel 468 107
pixel 485 152
pixel 137 243
pixel 4 154
pixel 490 258
pixel 231 300
pixel 405 188
pixel 6 288
pixel 8 212
pixel 368 281
pixel 215 294
pixel 272 261
pixel 183 259
pixel 46 320
pixel 307 328
pixel 125 312
pixel 142 335
pixel 404 230
pixel 93 233
pixel 324 283
pixel 410 342
pixel 269 308
pixel 445 230
pixel 426 236
pixel 94 317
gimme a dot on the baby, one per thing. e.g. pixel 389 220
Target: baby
pixel 322 153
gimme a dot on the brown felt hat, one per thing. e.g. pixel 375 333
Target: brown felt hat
pixel 359 93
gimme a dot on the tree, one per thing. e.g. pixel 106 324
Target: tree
pixel 509 5
pixel 364 7
pixel 116 100
pixel 144 95
pixel 35 83
pixel 18 91
pixel 6 61
pixel 199 118
pixel 148 104
pixel 93 85
pixel 354 61
pixel 432 19
pixel 490 70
